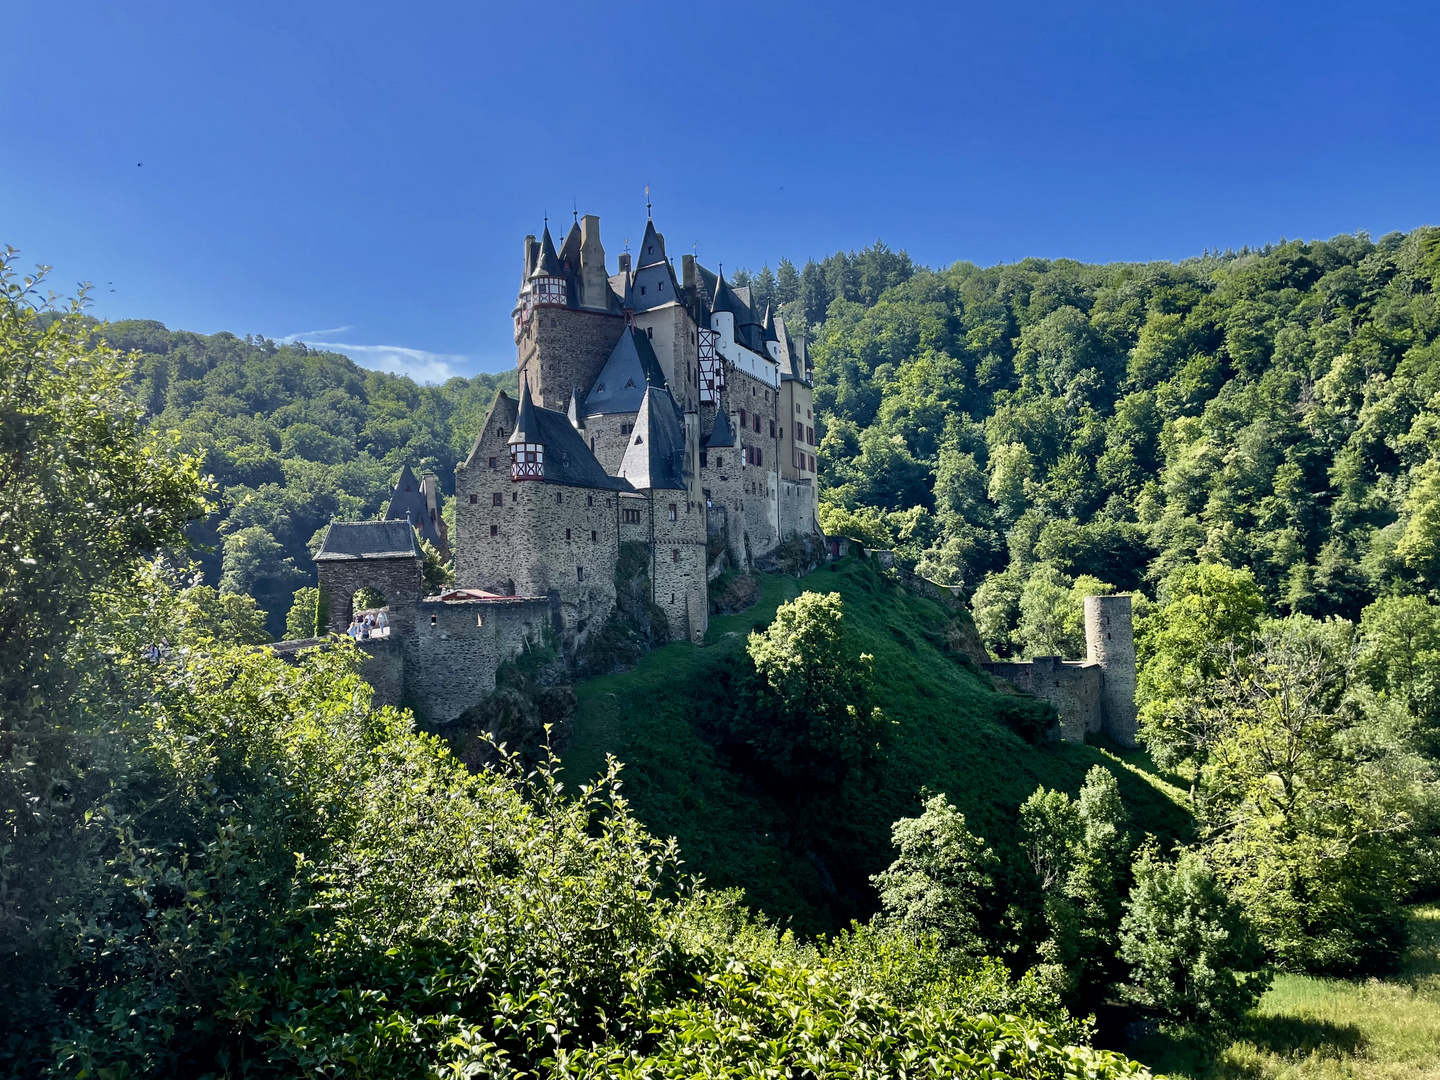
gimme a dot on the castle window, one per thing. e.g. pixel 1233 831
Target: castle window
pixel 812 462
pixel 642 290
pixel 810 435
pixel 514 497
pixel 496 499
pixel 673 512
pixel 494 530
pixel 594 536
pixel 580 573
pixel 589 500
pixel 661 286
pixel 772 429
pixel 702 459
pixel 567 534
pixel 474 499
pixel 432 620
pixel 759 456
pixel 743 421
pixel 559 498
pixel 492 463
pixel 807 414
pixel 527 461
pixel 757 423
pixel 650 332
pixel 719 461
pixel 632 517
pixel 674 557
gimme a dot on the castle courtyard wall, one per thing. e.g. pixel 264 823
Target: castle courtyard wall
pixel 458 645
pixel 1073 687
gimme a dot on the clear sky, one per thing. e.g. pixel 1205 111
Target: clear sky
pixel 363 174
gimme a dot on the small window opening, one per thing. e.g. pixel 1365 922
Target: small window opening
pixel 580 573
pixel 474 499
pixel 494 530
pixel 432 620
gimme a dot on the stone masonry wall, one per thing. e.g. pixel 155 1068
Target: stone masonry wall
pixel 400 580
pixel 606 437
pixel 1110 642
pixel 723 475
pixel 677 566
pixel 457 646
pixel 672 335
pixel 561 350
pixel 1073 688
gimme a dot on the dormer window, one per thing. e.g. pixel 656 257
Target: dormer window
pixel 642 290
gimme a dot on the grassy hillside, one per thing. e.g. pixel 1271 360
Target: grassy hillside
pixel 795 863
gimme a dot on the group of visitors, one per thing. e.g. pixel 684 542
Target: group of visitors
pixel 373 624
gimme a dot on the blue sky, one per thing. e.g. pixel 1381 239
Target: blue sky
pixel 363 174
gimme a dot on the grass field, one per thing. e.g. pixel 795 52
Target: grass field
pixel 814 872
pixel 1330 1029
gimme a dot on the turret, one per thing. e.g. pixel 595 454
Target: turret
pixel 722 309
pixel 546 285
pixel 527 452
pixel 1110 642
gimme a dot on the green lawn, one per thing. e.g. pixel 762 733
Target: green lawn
pixel 798 866
pixel 1330 1029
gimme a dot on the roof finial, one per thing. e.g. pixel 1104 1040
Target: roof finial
pixel 547 218
pixel 575 212
pixel 648 215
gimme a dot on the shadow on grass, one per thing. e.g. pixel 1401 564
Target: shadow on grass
pixel 1191 1055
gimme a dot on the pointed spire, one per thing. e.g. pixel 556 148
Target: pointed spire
pixel 576 412
pixel 527 428
pixel 724 299
pixel 769 324
pixel 548 264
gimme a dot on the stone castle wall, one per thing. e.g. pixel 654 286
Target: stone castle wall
pixel 677 565
pixel 401 581
pixel 562 350
pixel 608 436
pixel 1073 688
pixel 457 646
pixel 1110 642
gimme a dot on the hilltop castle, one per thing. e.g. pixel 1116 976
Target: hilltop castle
pixel 657 409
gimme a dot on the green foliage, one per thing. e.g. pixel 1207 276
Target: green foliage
pixel 87 487
pixel 1194 959
pixel 438 572
pixel 306 618
pixel 1400 656
pixel 808 713
pixel 292 436
pixel 1303 809
pixel 936 883
pixel 1208 612
pixel 1269 410
pixel 1078 853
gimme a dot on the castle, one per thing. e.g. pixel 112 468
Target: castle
pixel 1093 695
pixel 654 409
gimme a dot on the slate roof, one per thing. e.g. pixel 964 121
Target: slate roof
pixel 655 456
pixel 568 459
pixel 526 427
pixel 408 498
pixel 722 434
pixel 646 256
pixel 548 265
pixel 723 298
pixel 345 540
pixel 620 386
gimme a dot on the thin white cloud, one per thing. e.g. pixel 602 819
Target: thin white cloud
pixel 306 335
pixel 422 366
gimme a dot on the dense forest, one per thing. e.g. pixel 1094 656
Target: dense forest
pixel 292 437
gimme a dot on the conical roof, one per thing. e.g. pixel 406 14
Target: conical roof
pixel 724 299
pixel 769 324
pixel 407 500
pixel 655 455
pixel 527 429
pixel 548 265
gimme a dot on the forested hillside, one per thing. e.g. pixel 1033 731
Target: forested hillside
pixel 292 437
pixel 1274 410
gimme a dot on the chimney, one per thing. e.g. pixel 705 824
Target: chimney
pixel 687 272
pixel 594 278
pixel 624 262
pixel 532 254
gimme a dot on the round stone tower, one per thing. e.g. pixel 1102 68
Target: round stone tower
pixel 1110 642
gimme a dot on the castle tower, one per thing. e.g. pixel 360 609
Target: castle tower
pixel 567 317
pixel 1110 642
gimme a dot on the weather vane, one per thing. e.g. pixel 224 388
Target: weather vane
pixel 648 214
